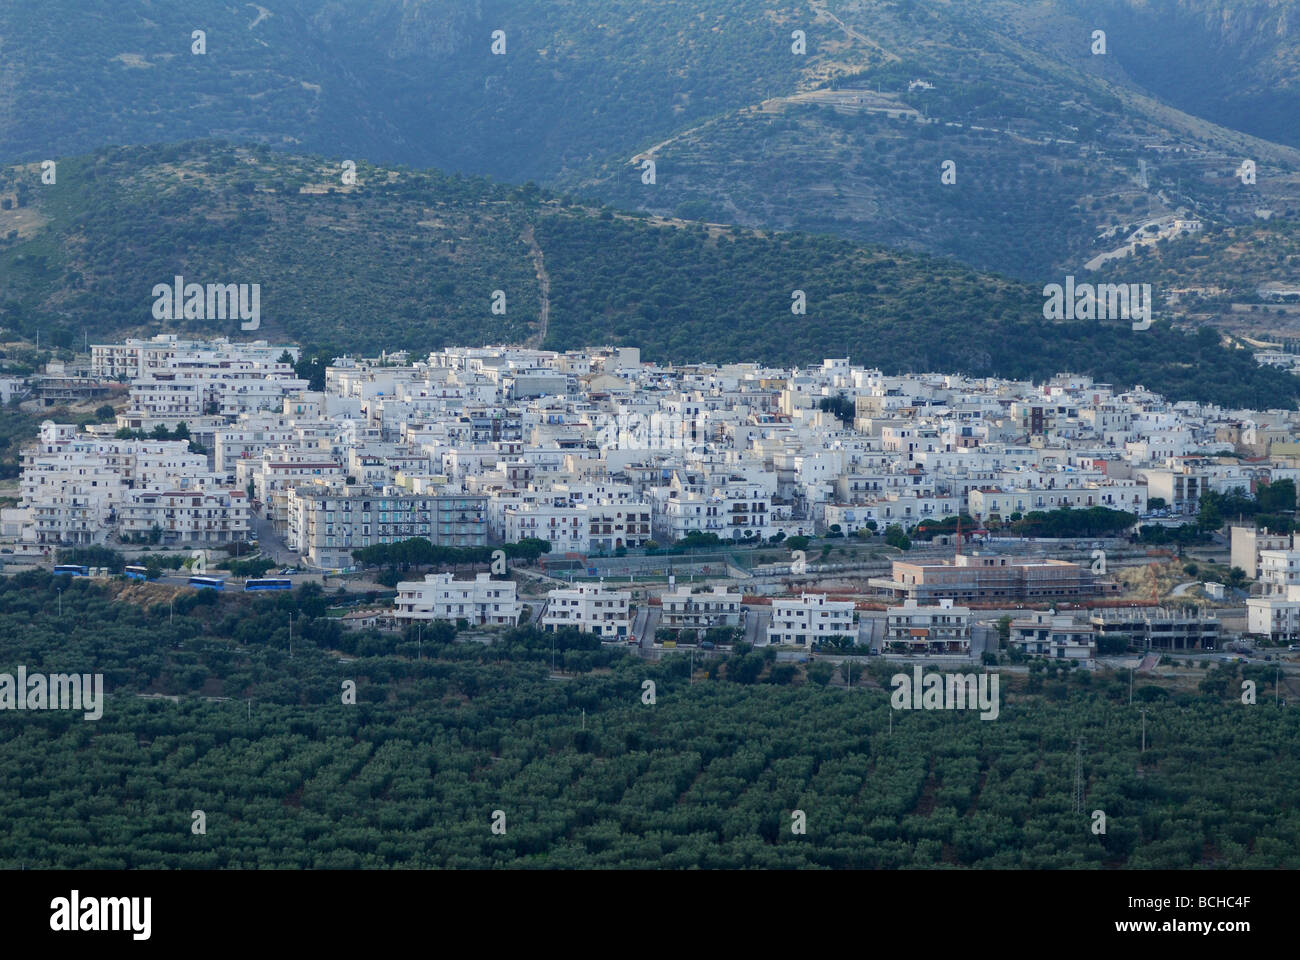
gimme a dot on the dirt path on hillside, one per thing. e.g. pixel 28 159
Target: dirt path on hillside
pixel 543 288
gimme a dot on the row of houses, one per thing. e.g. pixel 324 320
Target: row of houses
pixel 810 619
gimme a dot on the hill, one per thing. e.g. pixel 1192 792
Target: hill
pixel 412 259
pixel 1054 147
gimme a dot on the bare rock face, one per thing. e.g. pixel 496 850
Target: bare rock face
pixel 403 29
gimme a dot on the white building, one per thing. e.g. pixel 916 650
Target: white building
pixel 1248 542
pixel 139 358
pixel 716 606
pixel 1277 617
pixel 1279 573
pixel 612 526
pixel 925 630
pixel 1055 636
pixel 481 601
pixel 810 619
pixel 591 609
pixel 565 527
pixel 208 517
pixel 733 511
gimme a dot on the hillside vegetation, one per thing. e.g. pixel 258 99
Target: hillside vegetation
pixel 585 773
pixel 412 259
pixel 1053 145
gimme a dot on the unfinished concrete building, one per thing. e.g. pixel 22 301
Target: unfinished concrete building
pixel 1157 628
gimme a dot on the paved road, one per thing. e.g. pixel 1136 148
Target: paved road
pixel 271 544
pixel 645 625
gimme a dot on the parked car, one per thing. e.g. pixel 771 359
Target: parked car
pixel 706 645
pixel 1294 646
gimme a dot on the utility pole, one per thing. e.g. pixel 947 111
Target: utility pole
pixel 1078 776
pixel 60 602
pixel 291 635
pixel 171 611
pixel 1144 729
pixel 1130 686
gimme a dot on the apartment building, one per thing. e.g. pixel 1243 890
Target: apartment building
pixel 809 619
pixel 1248 544
pixel 733 512
pixel 279 472
pixel 138 358
pixel 328 522
pixel 73 513
pixel 481 601
pixel 688 608
pixel 248 439
pixel 1279 573
pixel 903 510
pixel 200 517
pixel 1276 618
pixel 998 503
pixel 1055 636
pixel 915 629
pixel 564 526
pixel 589 608
pixel 615 525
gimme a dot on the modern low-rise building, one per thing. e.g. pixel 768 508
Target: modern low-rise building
pixel 481 601
pixel 687 609
pixel 1276 618
pixel 589 608
pixel 917 630
pixel 1055 636
pixel 810 618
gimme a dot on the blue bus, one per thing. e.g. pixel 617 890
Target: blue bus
pixel 72 570
pixel 208 583
pixel 268 583
pixel 136 573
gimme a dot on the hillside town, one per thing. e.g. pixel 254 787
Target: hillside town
pixel 649 474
